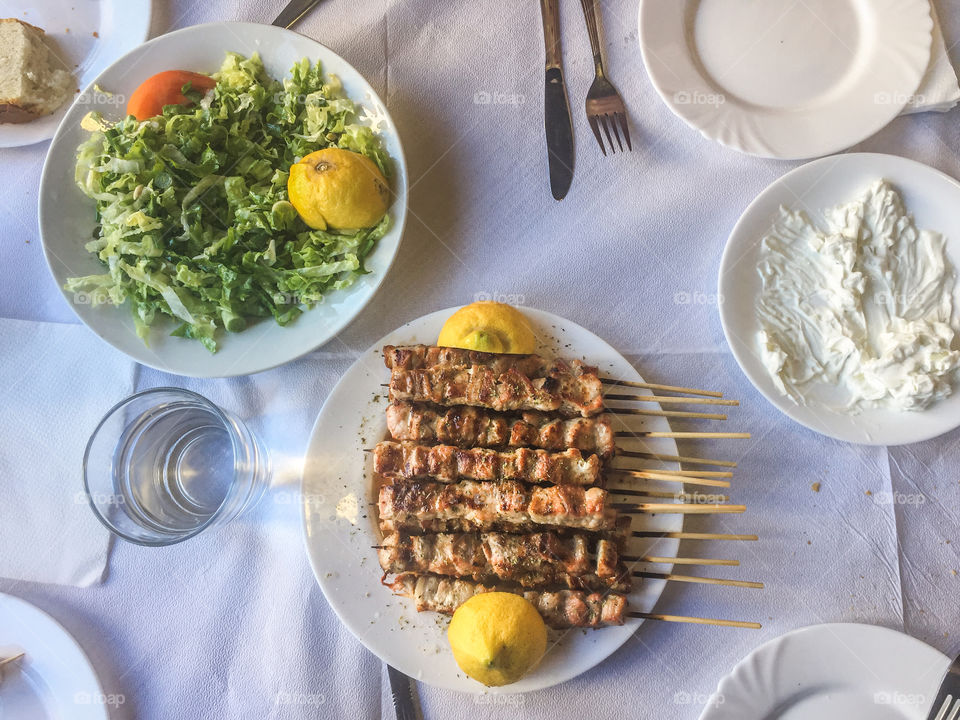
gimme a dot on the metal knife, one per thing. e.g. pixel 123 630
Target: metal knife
pixel 403 689
pixel 947 704
pixel 292 13
pixel 556 107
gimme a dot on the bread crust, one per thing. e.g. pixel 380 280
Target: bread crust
pixel 10 113
pixel 25 24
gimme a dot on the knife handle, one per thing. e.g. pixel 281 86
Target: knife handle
pixel 593 32
pixel 550 11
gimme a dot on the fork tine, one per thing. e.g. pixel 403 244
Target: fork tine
pixel 616 133
pixel 955 711
pixel 626 130
pixel 606 130
pixel 596 132
pixel 944 707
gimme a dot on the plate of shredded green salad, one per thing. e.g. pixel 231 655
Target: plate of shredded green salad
pixel 174 236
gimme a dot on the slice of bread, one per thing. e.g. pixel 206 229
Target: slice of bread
pixel 33 82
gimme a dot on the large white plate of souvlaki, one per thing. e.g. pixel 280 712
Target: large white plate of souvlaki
pixel 344 507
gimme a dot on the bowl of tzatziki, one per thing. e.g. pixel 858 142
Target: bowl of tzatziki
pixel 840 298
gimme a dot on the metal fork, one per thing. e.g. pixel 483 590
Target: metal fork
pixel 605 107
pixel 947 704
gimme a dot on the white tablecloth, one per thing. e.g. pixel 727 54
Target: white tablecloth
pixel 233 625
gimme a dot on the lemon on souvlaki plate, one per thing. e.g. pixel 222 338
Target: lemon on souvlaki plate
pixel 489 327
pixel 497 637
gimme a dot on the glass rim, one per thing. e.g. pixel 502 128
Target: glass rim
pixel 93 435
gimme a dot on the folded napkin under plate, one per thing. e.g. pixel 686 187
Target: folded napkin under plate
pixel 61 380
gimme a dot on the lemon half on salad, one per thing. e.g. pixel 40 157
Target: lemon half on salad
pixel 339 189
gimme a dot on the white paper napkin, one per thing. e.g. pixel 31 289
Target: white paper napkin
pixel 939 89
pixel 59 381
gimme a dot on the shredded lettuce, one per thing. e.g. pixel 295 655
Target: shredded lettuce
pixel 194 222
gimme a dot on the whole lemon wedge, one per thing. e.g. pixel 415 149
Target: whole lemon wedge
pixel 338 189
pixel 497 637
pixel 489 327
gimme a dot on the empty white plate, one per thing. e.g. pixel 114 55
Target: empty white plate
pixel 87 36
pixel 930 195
pixel 54 678
pixel 783 78
pixel 832 672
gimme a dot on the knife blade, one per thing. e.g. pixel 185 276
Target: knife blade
pixel 556 107
pixel 404 695
pixel 292 13
pixel 947 703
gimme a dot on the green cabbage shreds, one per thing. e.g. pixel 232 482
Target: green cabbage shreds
pixel 193 217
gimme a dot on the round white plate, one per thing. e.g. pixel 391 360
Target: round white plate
pixel 120 25
pixel 832 672
pixel 54 679
pixel 340 526
pixel 786 79
pixel 67 215
pixel 930 195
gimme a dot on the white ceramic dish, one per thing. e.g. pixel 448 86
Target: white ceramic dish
pixel 87 36
pixel 67 216
pixel 930 195
pixel 340 526
pixel 832 672
pixel 54 679
pixel 786 79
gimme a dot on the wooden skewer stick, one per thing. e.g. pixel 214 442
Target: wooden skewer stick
pixel 670 577
pixel 691 473
pixel 679 560
pixel 666 413
pixel 680 508
pixel 688 480
pixel 695 620
pixel 661 494
pixel 673 458
pixel 664 399
pixel 683 435
pixel 13 658
pixel 665 388
pixel 691 535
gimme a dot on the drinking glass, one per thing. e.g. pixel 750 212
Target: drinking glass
pixel 166 464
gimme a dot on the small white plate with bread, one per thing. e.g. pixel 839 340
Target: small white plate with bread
pixel 53 49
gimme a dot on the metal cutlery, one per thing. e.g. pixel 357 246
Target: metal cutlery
pixel 605 108
pixel 403 689
pixel 947 704
pixel 292 13
pixel 556 113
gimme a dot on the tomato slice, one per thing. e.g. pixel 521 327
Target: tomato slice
pixel 165 88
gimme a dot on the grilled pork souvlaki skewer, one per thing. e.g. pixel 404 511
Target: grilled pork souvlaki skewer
pixel 564 391
pixel 423 357
pixel 447 463
pixel 424 507
pixel 529 560
pixel 559 609
pixel 419 357
pixel 475 427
